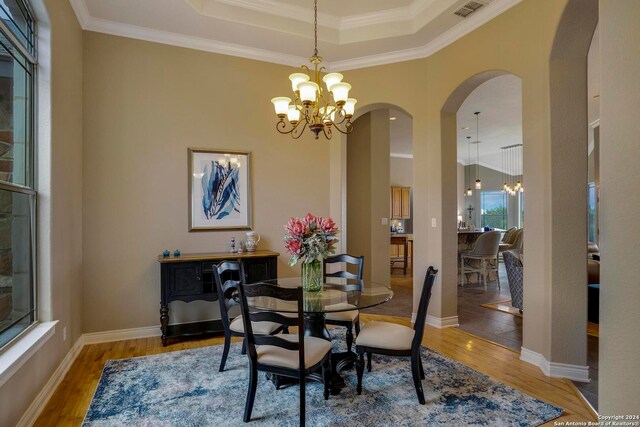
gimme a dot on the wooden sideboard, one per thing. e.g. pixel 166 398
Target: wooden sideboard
pixel 189 277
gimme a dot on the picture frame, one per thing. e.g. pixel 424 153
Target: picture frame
pixel 219 189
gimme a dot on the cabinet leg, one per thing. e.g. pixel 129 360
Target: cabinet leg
pixel 164 322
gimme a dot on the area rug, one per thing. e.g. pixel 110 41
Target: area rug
pixel 184 388
pixel 504 307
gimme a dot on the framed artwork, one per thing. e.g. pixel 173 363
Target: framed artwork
pixel 219 190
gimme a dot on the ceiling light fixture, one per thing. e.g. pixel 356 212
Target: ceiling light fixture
pixel 312 106
pixel 512 169
pixel 478 182
pixel 392 118
pixel 469 192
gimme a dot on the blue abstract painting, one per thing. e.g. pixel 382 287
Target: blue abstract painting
pixel 220 189
pixel 220 192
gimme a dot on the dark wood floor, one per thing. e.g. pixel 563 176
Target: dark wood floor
pixel 401 305
pixel 502 328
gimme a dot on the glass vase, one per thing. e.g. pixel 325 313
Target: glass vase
pixel 312 276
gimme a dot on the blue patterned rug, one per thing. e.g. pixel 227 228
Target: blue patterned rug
pixel 184 388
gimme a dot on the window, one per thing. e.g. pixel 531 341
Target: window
pixel 593 213
pixel 494 209
pixel 17 191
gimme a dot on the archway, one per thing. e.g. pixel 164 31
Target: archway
pixel 365 161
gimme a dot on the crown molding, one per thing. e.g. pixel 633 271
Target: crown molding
pixel 299 13
pixel 190 42
pixel 466 26
pixel 90 23
pixel 82 12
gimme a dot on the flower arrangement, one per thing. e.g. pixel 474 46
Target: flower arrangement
pixel 310 238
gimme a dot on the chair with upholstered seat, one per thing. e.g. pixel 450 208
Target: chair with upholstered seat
pixel 507 240
pixel 227 277
pixel 347 318
pixel 485 250
pixel 513 265
pixel 289 355
pixel 397 340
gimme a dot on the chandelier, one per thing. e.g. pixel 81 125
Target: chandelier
pixel 312 106
pixel 512 169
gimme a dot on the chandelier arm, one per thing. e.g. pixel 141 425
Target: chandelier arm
pixel 297 134
pixel 347 128
pixel 327 132
pixel 281 127
pixel 341 115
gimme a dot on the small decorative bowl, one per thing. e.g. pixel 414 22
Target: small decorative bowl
pixel 165 253
pixel 176 253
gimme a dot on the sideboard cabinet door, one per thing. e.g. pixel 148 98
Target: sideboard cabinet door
pixel 186 279
pixel 258 269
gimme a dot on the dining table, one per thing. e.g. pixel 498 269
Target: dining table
pixel 336 295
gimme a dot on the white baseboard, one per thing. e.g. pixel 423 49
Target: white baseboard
pixel 554 369
pixel 438 322
pixel 121 335
pixel 37 406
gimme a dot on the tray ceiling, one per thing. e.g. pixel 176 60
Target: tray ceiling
pixel 352 34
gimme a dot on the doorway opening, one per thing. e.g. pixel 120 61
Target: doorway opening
pixel 379 181
pixel 491 211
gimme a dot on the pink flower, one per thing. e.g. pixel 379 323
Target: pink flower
pixel 310 222
pixel 295 228
pixel 294 247
pixel 327 225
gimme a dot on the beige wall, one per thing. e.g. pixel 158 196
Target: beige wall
pixel 368 193
pixel 401 172
pixel 619 374
pixel 59 165
pixel 145 103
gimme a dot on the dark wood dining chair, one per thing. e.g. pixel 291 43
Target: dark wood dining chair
pixel 347 318
pixel 392 339
pixel 227 276
pixel 289 355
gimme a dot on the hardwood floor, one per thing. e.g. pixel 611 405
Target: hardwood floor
pixel 71 399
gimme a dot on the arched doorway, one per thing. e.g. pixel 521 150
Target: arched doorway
pixel 378 155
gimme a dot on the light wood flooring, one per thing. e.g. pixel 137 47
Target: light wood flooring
pixel 71 399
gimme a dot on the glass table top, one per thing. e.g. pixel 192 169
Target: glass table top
pixel 336 295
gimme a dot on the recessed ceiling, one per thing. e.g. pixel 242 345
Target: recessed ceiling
pixel 499 102
pixel 400 134
pixel 352 34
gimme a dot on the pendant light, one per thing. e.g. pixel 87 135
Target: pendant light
pixel 469 192
pixel 478 182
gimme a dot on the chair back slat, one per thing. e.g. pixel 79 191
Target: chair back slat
pixel 267 316
pixel 228 277
pixel 350 286
pixel 487 244
pixel 425 296
pixel 276 341
pixel 269 290
pixel 347 259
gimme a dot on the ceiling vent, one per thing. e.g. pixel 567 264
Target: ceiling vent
pixel 468 9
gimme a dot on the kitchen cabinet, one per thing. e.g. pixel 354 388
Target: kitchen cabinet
pixel 400 202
